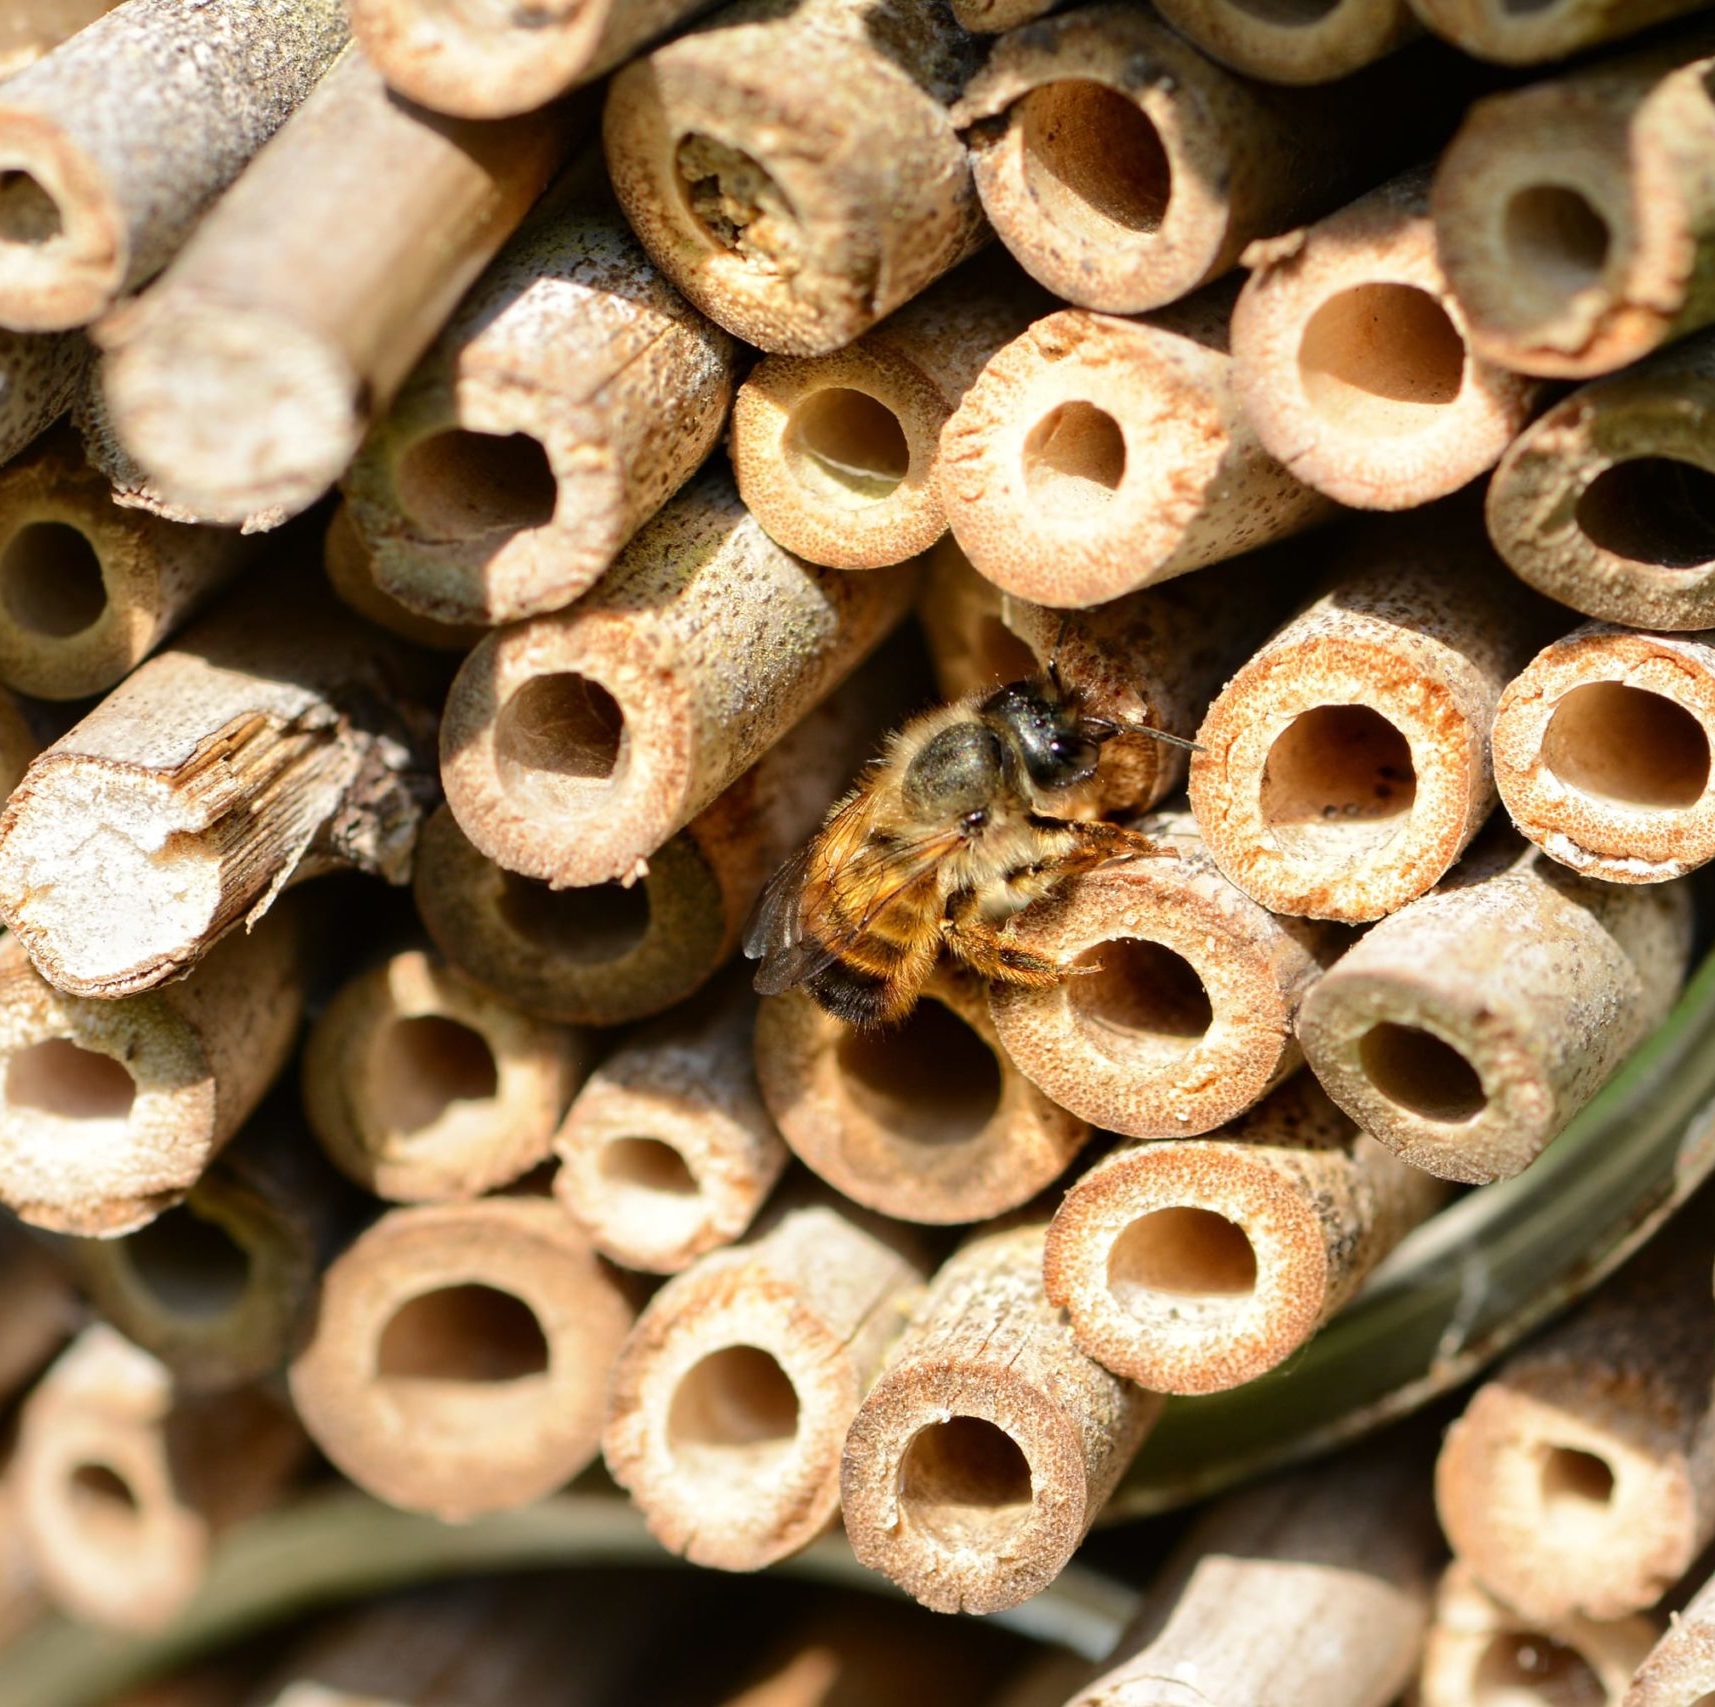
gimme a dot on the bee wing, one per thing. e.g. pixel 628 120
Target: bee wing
pixel 774 933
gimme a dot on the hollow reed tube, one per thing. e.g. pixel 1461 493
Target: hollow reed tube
pixel 39 376
pixel 1556 29
pixel 32 28
pixel 1305 41
pixel 1679 1670
pixel 350 568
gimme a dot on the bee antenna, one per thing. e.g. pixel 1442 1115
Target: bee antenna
pixel 1162 735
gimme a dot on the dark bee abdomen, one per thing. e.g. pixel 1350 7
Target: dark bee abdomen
pixel 851 994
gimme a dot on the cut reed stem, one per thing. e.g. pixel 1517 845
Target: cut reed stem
pixel 1301 41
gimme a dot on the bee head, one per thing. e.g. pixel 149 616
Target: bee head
pixel 1057 744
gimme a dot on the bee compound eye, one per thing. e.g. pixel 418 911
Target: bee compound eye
pixel 975 820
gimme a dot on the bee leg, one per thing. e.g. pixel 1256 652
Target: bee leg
pixel 971 938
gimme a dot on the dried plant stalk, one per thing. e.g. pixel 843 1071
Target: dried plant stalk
pixel 1466 1030
pixel 1293 44
pixel 730 1402
pixel 1351 358
pixel 570 396
pixel 39 377
pixel 1608 502
pixel 988 1443
pixel 460 1355
pixel 123 1482
pixel 1177 1010
pixel 1575 219
pixel 791 165
pixel 1556 29
pixel 31 28
pixel 41 1313
pixel 989 17
pixel 1096 455
pixel 116 144
pixel 88 589
pixel 110 1111
pixel 422 1087
pixel 574 745
pixel 927 1122
pixel 350 567
pixel 245 380
pixel 1680 1668
pixel 1192 1267
pixel 273 740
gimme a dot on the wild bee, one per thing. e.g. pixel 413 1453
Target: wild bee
pixel 962 822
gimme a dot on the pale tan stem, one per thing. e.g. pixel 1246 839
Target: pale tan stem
pixel 124 1482
pixel 1177 1009
pixel 422 1087
pixel 990 17
pixel 350 568
pixel 929 1121
pixel 31 28
pixel 1096 455
pixel 41 1312
pixel 110 1111
pixel 989 1442
pixel 837 455
pixel 791 165
pixel 1468 1028
pixel 273 740
pixel 88 589
pixel 114 146
pixel 460 1355
pixel 39 377
pixel 668 1152
pixel 1575 219
pixel 1312 1589
pixel 1352 358
pixel 1555 29
pixel 1680 1668
pixel 1480 1653
pixel 1192 1267
pixel 1300 41
pixel 1608 502
pixel 574 745
pixel 571 395
pixel 1581 1479
pixel 245 380
pixel 730 1402
pixel 1345 767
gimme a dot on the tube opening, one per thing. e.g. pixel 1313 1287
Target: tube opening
pixel 59 1079
pixel 1557 239
pixel 649 1166
pixel 1524 8
pixel 1381 360
pixel 933 1080
pixel 1001 655
pixel 1184 1252
pixel 1093 160
pixel 29 216
pixel 424 1064
pixel 966 1482
pixel 1074 457
pixel 51 581
pixel 1143 992
pixel 459 483
pixel 1338 781
pixel 1654 510
pixel 588 927
pixel 1526 1669
pixel 103 1504
pixel 191 1266
pixel 560 730
pixel 1289 14
pixel 846 444
pixel 1576 1481
pixel 472 1333
pixel 737 205
pixel 735 1400
pixel 1415 1069
pixel 1628 746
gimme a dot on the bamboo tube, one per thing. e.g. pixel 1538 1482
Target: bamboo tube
pixel 1480 1653
pixel 1096 455
pixel 1601 752
pixel 1124 170
pixel 990 17
pixel 573 745
pixel 460 1355
pixel 116 144
pixel 730 1402
pixel 110 1111
pixel 1573 218
pixel 162 821
pixel 1192 1267
pixel 1352 358
pixel 39 376
pixel 668 1152
pixel 1177 1012
pixel 1466 1030
pixel 31 28
pixel 793 169
pixel 1345 767
pixel 88 589
pixel 1680 1668
pixel 837 455
pixel 989 1442
pixel 219 1288
pixel 41 1313
pixel 124 1482
pixel 422 1087
pixel 1303 41
pixel 1580 1481
pixel 928 1122
pixel 350 568
pixel 1527 35
pixel 1312 1587
pixel 246 378
pixel 1607 503
pixel 572 393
